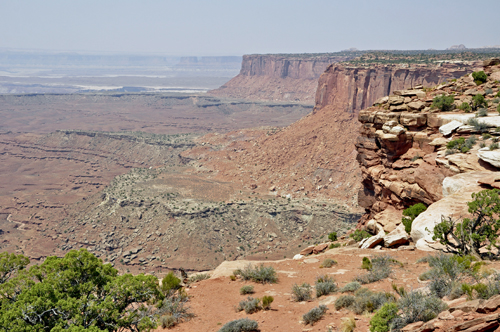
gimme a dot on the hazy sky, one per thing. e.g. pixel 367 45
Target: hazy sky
pixel 234 27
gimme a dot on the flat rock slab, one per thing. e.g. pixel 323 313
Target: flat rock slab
pixel 327 300
pixel 307 251
pixel 448 128
pixel 372 241
pixel 492 157
pixel 311 260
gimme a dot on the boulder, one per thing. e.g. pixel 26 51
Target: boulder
pixel 454 205
pixel 468 306
pixel 413 119
pixel 416 105
pixel 448 128
pixel 373 227
pixel 412 327
pixel 440 141
pixel 298 256
pixel 320 248
pixel 397 237
pixel 307 251
pixel 492 157
pixel 396 100
pixel 490 305
pixel 389 218
pixel 372 242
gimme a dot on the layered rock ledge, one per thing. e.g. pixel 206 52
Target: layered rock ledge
pixel 404 158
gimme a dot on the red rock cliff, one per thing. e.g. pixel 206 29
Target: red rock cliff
pixel 278 77
pixel 316 156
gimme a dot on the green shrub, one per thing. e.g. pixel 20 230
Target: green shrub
pixel 479 77
pixel 410 214
pixel 494 146
pixel 259 274
pixel 488 91
pixel 364 300
pixel 366 263
pixel 301 292
pixel 247 289
pixel 478 126
pixel 250 305
pixel 381 269
pixel 498 108
pixel 359 235
pixel 465 107
pixel 444 103
pixel 345 301
pixel 478 101
pixel 482 112
pixel 348 324
pixel 459 145
pixel 416 307
pixel 334 245
pixel 351 287
pixel 325 285
pixel 382 319
pixel 332 236
pixel 240 325
pixel 167 321
pixel 170 283
pixel 328 262
pixel 175 309
pixel 498 94
pixel 199 277
pixel 481 290
pixel 486 136
pixel 314 315
pixel 477 235
pixel 266 302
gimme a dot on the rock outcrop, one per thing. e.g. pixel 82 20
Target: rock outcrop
pixel 316 156
pixel 291 77
pixel 406 158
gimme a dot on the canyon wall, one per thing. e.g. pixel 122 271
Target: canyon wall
pixel 405 155
pixel 316 156
pixel 278 77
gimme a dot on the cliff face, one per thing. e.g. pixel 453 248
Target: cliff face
pixel 353 88
pixel 405 156
pixel 277 78
pixel 316 156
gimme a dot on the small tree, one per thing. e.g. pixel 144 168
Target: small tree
pixel 479 77
pixel 475 233
pixel 478 101
pixel 332 236
pixel 444 103
pixel 410 214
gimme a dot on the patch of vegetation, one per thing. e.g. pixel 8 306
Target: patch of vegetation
pixel 79 292
pixel 174 309
pixel 478 101
pixel 482 112
pixel 348 324
pixel 416 307
pixel 459 145
pixel 332 236
pixel 364 300
pixel 314 315
pixel 325 285
pixel 448 272
pixel 384 316
pixel 328 262
pixel 247 289
pixel 498 108
pixel 477 235
pixel 240 325
pixel 351 287
pixel 334 245
pixel 488 91
pixel 443 103
pixel 494 146
pixel 465 107
pixel 410 214
pixel 359 235
pixel 479 77
pixel 259 274
pixel 366 264
pixel 250 305
pixel 381 269
pixel 301 292
pixel 199 277
pixel 266 302
pixel 478 126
